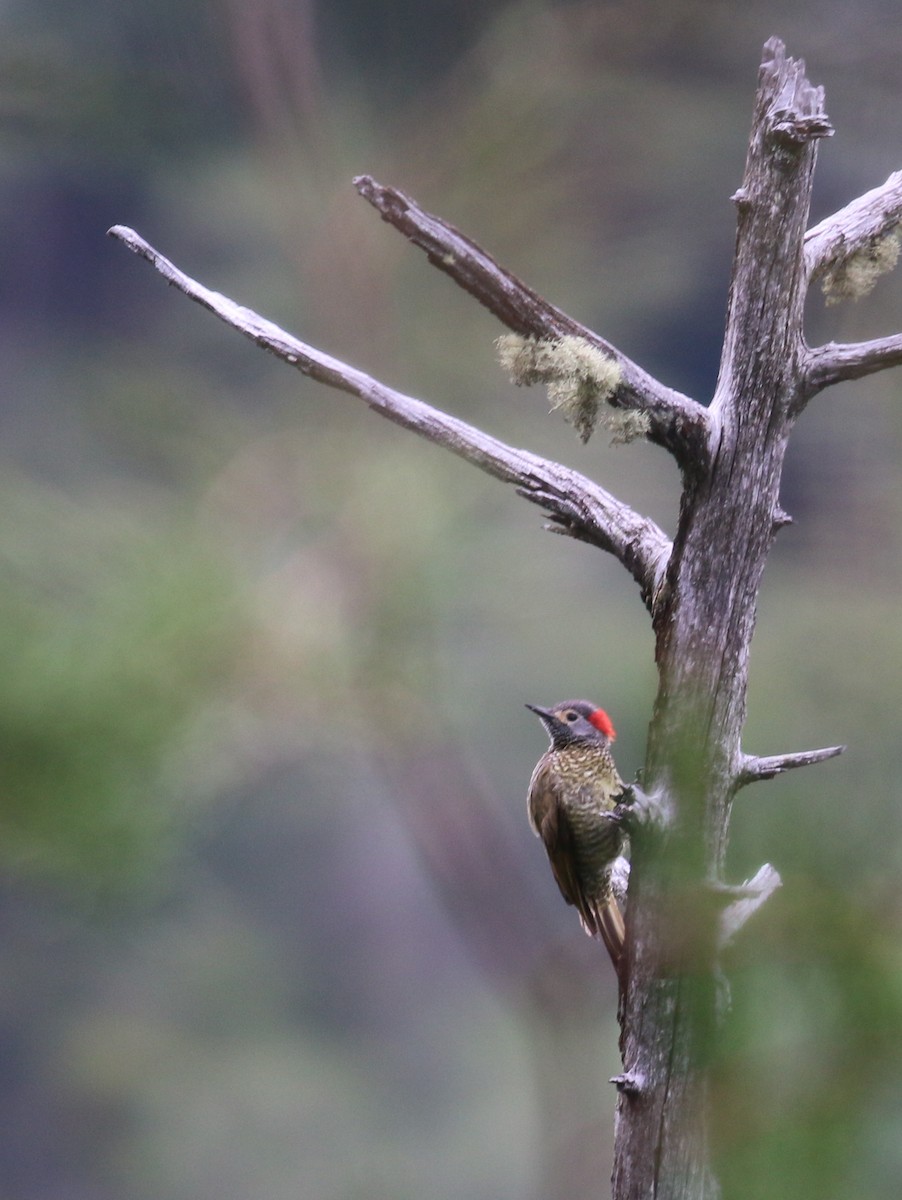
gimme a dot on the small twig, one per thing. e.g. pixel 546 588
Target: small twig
pixel 585 509
pixel 837 361
pixel 676 422
pixel 854 227
pixel 754 768
pixel 749 897
pixel 629 1083
pixel 781 518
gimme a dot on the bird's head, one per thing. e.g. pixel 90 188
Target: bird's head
pixel 575 721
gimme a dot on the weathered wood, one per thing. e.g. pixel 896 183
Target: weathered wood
pixel 704 626
pixel 838 362
pixel 858 225
pixel 677 423
pixel 754 769
pixel 578 506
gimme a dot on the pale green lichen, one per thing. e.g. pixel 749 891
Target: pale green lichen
pixel 626 425
pixel 855 276
pixel 579 377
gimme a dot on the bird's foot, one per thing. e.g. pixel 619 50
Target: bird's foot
pixel 649 810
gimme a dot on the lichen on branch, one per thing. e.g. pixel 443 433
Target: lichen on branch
pixel 580 380
pixel 854 276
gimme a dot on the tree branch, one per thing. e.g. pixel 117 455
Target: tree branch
pixel 677 423
pixel 579 507
pixel 836 362
pixel 855 227
pixel 754 768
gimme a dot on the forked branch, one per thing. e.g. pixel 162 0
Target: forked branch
pixel 849 251
pixel 676 422
pixel 578 506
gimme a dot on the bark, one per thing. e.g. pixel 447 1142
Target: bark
pixel 703 629
pixel 677 423
pixel 701 591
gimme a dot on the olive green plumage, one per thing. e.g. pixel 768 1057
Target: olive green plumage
pixel 572 794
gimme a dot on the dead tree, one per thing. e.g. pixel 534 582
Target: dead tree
pixel 700 590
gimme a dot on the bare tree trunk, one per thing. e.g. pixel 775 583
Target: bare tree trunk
pixel 704 624
pixel 701 591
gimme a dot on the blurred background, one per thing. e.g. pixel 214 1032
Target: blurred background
pixel 273 923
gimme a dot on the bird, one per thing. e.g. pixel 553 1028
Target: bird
pixel 573 792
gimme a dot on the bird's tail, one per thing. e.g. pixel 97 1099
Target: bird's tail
pixel 610 926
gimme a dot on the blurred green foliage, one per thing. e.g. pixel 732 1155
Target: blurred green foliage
pixel 246 626
pixel 113 637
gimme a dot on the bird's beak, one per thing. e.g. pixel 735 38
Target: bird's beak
pixel 544 713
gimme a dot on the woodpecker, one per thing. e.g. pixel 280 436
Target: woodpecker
pixel 572 795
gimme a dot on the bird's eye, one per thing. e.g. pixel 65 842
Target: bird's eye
pixel 571 715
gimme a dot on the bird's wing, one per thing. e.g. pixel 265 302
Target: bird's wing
pixel 549 819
